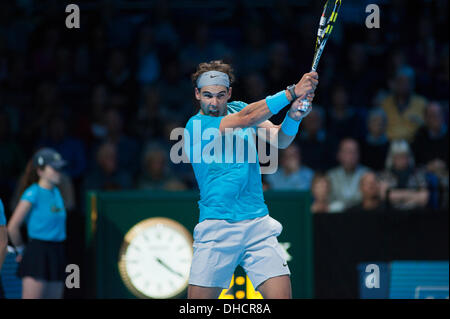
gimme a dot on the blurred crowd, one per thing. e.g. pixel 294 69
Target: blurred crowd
pixel 107 95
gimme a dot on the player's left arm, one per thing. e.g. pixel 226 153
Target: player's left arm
pixel 275 134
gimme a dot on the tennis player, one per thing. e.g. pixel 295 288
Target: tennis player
pixel 234 226
pixel 42 262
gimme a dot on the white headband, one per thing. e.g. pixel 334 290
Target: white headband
pixel 213 78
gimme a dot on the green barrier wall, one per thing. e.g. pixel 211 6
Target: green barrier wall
pixel 111 214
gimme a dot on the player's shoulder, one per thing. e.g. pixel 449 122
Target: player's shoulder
pixel 191 120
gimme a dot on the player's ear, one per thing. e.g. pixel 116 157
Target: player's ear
pixel 197 94
pixel 230 89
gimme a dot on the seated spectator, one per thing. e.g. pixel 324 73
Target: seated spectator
pixel 100 100
pixel 166 34
pixel 376 144
pixel 403 186
pixel 127 148
pixel 48 102
pixel 359 77
pixel 149 120
pixel 147 56
pixel 321 189
pixel 183 170
pixel 278 69
pixel 254 86
pixel 403 108
pixel 369 186
pixel 317 147
pixel 171 105
pixel 254 52
pixel 292 175
pixel 175 185
pixel 121 83
pixel 342 119
pixel 201 48
pixel 156 173
pixel 430 145
pixel 71 149
pixel 441 76
pixel 345 178
pixel 106 174
pixel 430 149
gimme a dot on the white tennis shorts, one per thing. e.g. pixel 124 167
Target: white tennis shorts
pixel 220 246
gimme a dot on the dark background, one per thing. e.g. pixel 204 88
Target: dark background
pixel 126 73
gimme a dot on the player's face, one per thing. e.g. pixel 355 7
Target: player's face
pixel 213 99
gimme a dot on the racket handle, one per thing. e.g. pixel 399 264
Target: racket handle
pixel 304 106
pixel 305 103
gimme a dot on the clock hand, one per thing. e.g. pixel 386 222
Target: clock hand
pixel 162 263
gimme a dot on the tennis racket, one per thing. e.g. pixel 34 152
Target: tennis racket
pixel 323 33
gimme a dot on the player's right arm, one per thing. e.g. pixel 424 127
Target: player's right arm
pixel 258 112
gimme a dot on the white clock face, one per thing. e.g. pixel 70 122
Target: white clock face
pixel 157 259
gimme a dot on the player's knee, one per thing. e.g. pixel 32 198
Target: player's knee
pixel 276 288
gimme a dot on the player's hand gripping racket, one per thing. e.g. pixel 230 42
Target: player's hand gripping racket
pixel 325 27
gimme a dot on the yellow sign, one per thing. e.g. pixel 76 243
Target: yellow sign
pixel 248 293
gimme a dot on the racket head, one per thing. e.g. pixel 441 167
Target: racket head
pixel 327 19
pixel 329 15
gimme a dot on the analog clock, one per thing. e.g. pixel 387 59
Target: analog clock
pixel 155 258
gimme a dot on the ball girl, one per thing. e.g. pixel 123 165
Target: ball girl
pixel 42 260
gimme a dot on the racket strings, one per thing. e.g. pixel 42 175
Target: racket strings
pixel 326 26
